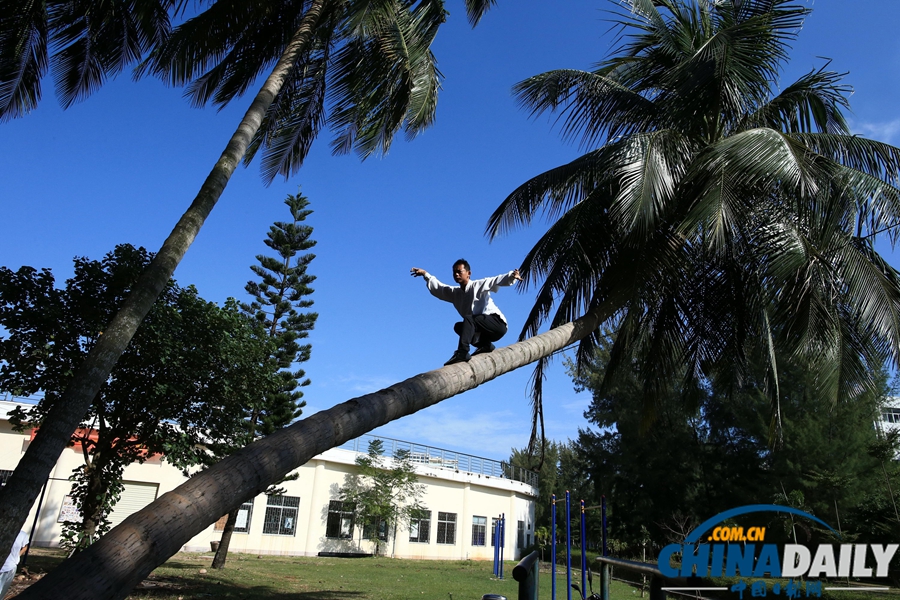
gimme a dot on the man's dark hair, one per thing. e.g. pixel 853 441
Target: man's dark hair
pixel 464 263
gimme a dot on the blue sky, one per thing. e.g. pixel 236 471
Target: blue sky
pixel 123 165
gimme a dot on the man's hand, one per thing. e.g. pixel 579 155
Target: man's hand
pixel 516 275
pixel 417 272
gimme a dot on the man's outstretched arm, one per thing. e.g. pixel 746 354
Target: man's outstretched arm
pixel 492 283
pixel 439 290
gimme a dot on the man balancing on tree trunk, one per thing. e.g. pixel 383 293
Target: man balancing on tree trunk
pixel 482 323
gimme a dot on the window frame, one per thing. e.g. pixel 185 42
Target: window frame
pixel 890 414
pixel 248 506
pixel 479 531
pixel 378 527
pixel 446 529
pixel 426 521
pixel 280 504
pixel 334 525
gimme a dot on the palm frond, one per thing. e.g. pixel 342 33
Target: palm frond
pixel 93 41
pixel 385 77
pixel 24 34
pixel 553 192
pixel 294 119
pixel 591 106
pixel 476 9
pixel 812 103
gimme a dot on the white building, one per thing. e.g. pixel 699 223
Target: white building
pixel 464 495
pixel 890 415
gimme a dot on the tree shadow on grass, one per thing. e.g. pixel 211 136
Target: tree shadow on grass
pixel 258 592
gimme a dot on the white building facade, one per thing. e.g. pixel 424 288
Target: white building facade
pixel 463 494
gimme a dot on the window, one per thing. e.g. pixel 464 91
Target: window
pixel 890 415
pixel 242 525
pixel 494 525
pixel 420 529
pixel 520 535
pixel 479 527
pixel 446 531
pixel 377 528
pixel 340 519
pixel 281 515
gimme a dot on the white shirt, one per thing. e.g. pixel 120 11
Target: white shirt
pixel 475 298
pixel 12 561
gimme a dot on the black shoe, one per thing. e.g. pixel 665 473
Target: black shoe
pixel 458 357
pixel 484 349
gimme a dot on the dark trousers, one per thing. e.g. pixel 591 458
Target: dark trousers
pixel 489 328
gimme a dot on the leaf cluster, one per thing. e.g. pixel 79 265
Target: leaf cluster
pixel 715 218
pixel 184 380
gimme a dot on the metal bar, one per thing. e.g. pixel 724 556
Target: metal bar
pixel 584 587
pixel 553 546
pixel 604 581
pixel 526 573
pixel 568 549
pixel 656 591
pixel 502 540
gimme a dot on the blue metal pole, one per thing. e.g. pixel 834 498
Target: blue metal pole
pixel 603 516
pixel 568 549
pixel 553 547
pixel 583 553
pixel 495 541
pixel 502 541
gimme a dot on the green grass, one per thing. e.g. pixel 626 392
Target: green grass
pixel 247 577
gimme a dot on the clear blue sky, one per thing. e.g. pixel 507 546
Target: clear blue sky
pixel 123 165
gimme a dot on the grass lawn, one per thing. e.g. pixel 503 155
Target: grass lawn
pixel 247 577
pixel 305 578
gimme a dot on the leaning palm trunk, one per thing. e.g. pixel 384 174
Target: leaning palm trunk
pixel 123 557
pixel 21 490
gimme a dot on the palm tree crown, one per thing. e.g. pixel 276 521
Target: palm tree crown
pixel 714 220
pixel 368 71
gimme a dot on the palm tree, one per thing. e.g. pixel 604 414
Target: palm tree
pixel 714 219
pixel 124 556
pixel 377 60
pixel 713 222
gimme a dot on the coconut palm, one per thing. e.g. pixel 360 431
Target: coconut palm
pixel 376 58
pixel 705 238
pixel 90 41
pixel 714 218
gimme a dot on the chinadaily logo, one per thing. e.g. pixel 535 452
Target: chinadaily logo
pixel 718 549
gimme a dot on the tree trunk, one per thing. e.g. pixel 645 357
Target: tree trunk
pixel 123 557
pixel 92 505
pixel 225 541
pixel 23 486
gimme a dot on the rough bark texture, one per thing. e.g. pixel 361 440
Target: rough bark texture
pixel 126 555
pixel 23 486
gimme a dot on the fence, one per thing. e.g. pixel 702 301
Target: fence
pixel 445 459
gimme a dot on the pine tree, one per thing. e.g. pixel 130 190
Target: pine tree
pixel 279 299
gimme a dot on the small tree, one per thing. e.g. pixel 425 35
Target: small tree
pixel 279 296
pixel 386 493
